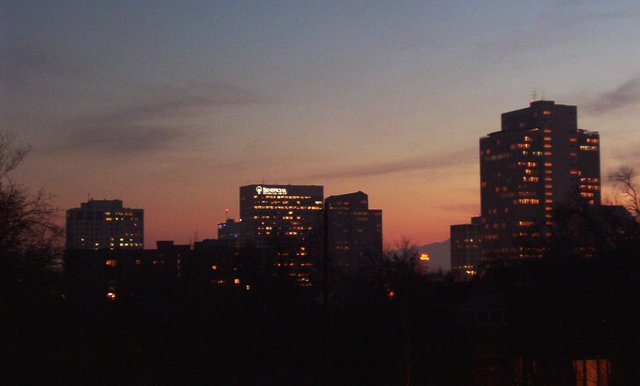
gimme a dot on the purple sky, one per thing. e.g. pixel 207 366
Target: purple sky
pixel 172 106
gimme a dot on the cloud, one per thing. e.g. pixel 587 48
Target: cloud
pixel 565 23
pixel 576 13
pixel 21 65
pixel 41 80
pixel 624 95
pixel 437 161
pixel 630 155
pixel 179 101
pixel 128 139
pixel 150 124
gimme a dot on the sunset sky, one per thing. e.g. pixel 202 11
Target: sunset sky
pixel 171 106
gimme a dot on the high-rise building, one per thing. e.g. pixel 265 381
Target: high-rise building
pixel 229 230
pixel 466 248
pixel 354 230
pixel 287 220
pixel 537 162
pixel 104 224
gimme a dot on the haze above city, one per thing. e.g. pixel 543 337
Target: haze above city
pixel 172 106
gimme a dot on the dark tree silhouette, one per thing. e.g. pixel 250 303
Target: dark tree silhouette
pixel 29 300
pixel 29 235
pixel 625 179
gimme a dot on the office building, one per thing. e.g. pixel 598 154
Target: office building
pixel 104 224
pixel 466 249
pixel 134 275
pixel 285 219
pixel 230 230
pixel 354 230
pixel 539 161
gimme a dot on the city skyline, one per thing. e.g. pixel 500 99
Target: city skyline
pixel 171 108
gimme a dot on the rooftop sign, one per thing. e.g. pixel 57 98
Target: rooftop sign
pixel 274 191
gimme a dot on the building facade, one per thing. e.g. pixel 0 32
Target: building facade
pixel 230 230
pixel 466 250
pixel 104 224
pixel 285 219
pixel 538 161
pixel 354 230
pixel 134 275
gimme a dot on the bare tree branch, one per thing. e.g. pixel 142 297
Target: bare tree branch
pixel 10 155
pixel 29 236
pixel 624 179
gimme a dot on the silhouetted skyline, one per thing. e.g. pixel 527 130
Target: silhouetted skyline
pixel 172 106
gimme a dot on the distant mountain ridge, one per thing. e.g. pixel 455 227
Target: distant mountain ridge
pixel 439 254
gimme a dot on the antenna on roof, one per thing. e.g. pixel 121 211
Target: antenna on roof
pixel 534 95
pixel 226 214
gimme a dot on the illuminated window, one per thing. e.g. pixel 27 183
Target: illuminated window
pixel 111 262
pixel 592 372
pixel 528 201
